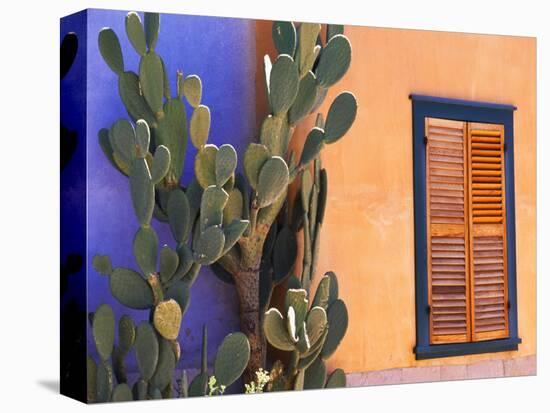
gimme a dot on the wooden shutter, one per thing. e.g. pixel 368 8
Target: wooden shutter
pixel 447 220
pixel 487 210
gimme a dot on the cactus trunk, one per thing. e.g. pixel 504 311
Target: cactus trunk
pixel 248 287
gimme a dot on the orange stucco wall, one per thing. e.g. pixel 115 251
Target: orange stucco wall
pixel 368 234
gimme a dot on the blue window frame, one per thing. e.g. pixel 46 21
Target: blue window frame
pixel 469 111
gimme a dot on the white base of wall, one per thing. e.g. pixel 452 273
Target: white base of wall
pixel 521 366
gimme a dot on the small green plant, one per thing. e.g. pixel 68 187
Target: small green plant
pixel 214 388
pixel 258 385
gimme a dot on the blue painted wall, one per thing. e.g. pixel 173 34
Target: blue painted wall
pixel 222 52
pixel 73 175
pixel 73 214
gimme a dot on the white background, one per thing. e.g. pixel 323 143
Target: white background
pixel 29 205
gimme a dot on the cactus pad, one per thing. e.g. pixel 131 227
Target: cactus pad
pixel 169 262
pixel 194 195
pixel 130 289
pixel 192 89
pixel 126 333
pixel 213 202
pixel 205 165
pixel 172 132
pixel 333 291
pixel 308 38
pixel 336 379
pixel 231 358
pixel 283 84
pixel 104 382
pixel 316 324
pixel 313 146
pixel 226 162
pixel 103 330
pixel 266 288
pixel 305 99
pixel 91 380
pixel 275 330
pixel 198 385
pixel 321 298
pixel 254 158
pixel 142 136
pixel 200 126
pixel 297 299
pixel 167 319
pixel 142 191
pixel 179 215
pixel 123 141
pixel 285 252
pixel 109 46
pixel 122 393
pixel 305 189
pixel 232 233
pixel 333 30
pixel 337 316
pixel 334 61
pixel 234 207
pixel 272 181
pixel 145 249
pixel 341 116
pixel 185 261
pixel 209 245
pixel 147 350
pixel 119 365
pixel 303 345
pixel 165 366
pixel 284 37
pixel 152 27
pixel 151 78
pixel 105 143
pixel 135 33
pixel 274 134
pixel 130 93
pixel 161 164
pixel 322 199
pixel 311 355
pixel 315 375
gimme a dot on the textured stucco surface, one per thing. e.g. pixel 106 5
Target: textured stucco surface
pixel 368 234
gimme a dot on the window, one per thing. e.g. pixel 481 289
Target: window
pixel 464 227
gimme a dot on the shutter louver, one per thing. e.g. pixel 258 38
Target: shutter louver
pixel 447 220
pixel 489 292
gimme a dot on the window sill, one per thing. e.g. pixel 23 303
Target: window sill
pixel 462 349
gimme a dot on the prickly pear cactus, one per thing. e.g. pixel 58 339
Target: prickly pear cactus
pixel 296 81
pixel 150 149
pixel 231 360
pixel 241 225
pixel 311 332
